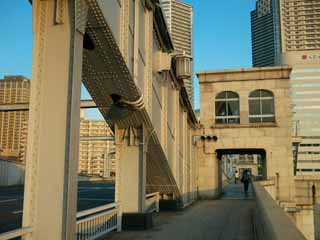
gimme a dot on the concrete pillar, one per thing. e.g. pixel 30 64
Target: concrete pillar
pixel 131 176
pixel 50 200
pixel 208 172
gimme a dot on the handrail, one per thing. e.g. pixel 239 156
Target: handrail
pixel 152 195
pixel 97 209
pixel 15 233
pixel 152 202
pixel 97 222
pixel 271 221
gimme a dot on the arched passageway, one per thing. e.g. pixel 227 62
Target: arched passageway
pixel 233 164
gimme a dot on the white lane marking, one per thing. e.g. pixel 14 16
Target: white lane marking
pixel 11 200
pixel 96 199
pixel 16 212
pixel 10 196
pixel 95 188
pixel 86 190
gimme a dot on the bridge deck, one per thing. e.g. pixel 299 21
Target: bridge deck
pixel 229 218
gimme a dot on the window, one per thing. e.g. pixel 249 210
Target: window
pixel 261 106
pixel 227 108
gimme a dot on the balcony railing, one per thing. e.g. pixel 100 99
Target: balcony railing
pixel 97 222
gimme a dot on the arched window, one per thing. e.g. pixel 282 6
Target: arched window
pixel 227 108
pixel 261 106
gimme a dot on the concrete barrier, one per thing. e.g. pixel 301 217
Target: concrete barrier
pixel 271 221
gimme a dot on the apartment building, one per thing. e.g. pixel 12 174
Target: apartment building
pixel 14 124
pixel 97 149
pixel 179 18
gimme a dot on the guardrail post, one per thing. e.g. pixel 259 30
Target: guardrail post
pixel 157 203
pixel 119 218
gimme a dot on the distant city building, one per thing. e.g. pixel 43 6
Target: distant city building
pixel 179 17
pixel 287 32
pixel 300 25
pixel 283 26
pixel 241 162
pixel 265 33
pixel 14 124
pixel 96 154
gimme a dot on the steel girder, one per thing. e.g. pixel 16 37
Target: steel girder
pixel 105 75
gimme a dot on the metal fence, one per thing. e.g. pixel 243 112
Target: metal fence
pixel 97 222
pixel 152 202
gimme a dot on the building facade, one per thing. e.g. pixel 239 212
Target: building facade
pixel 13 124
pixel 245 111
pixel 300 24
pixel 96 149
pixel 298 29
pixel 179 18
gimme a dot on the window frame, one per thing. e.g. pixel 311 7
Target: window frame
pixel 261 98
pixel 226 100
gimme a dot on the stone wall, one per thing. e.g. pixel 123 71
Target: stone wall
pixel 273 138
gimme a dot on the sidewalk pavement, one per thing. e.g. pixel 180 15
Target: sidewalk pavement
pixel 224 219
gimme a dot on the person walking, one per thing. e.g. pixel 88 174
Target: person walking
pixel 236 176
pixel 246 180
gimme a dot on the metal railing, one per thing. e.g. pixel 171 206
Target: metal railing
pixel 15 233
pixel 152 202
pixel 99 221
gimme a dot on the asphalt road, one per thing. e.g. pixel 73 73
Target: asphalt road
pixel 90 195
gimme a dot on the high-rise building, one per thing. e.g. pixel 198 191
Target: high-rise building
pixel 96 153
pixel 300 24
pixel 14 124
pixel 297 30
pixel 265 33
pixel 300 35
pixel 279 27
pixel 179 17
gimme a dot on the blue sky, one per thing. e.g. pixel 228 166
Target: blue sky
pixel 222 37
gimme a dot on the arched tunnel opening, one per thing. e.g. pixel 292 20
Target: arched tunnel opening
pixel 235 165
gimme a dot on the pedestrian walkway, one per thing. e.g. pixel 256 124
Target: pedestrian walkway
pixel 224 219
pixel 235 191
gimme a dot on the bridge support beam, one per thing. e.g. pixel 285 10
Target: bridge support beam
pixel 131 177
pixel 50 200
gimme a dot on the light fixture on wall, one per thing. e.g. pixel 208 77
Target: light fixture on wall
pixel 183 65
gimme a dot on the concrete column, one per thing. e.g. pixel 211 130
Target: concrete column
pixel 208 172
pixel 50 200
pixel 131 174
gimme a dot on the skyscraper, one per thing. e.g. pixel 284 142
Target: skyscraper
pixel 179 17
pixel 14 124
pixel 265 33
pixel 295 41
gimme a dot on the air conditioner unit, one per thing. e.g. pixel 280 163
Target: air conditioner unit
pixel 162 61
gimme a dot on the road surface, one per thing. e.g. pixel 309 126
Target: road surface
pixel 11 201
